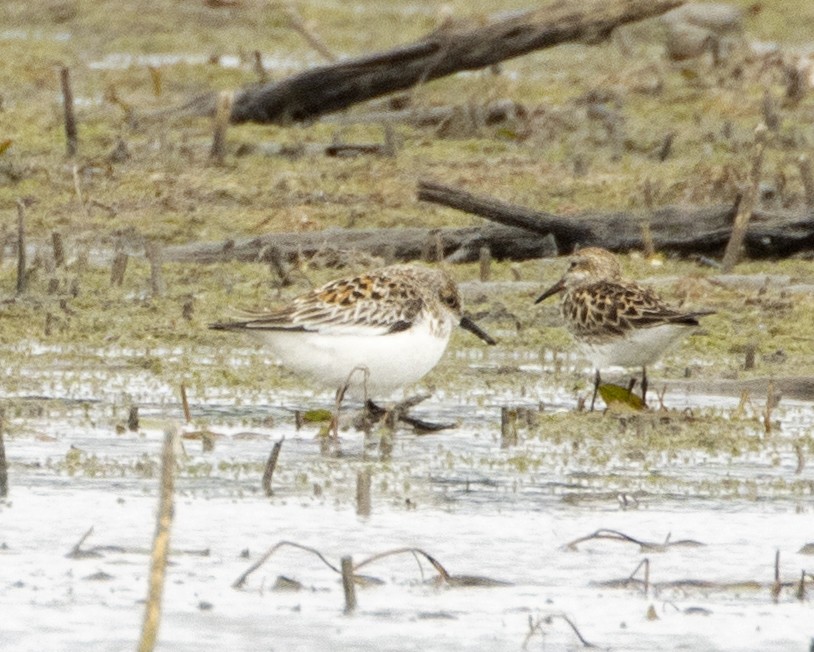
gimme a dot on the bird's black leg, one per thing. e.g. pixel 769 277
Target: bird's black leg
pixel 597 380
pixel 644 385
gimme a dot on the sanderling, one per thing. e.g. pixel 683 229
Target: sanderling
pixel 371 334
pixel 616 321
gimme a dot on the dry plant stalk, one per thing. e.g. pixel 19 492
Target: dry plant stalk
pixel 21 277
pixel 767 411
pixel 508 427
pixel 363 502
pixel 804 165
pixel 644 563
pixel 3 463
pixel 154 253
pixel 68 109
pixel 348 585
pixel 296 23
pixel 222 114
pixel 161 546
pixel 271 464
pixel 118 269
pixel 777 585
pixel 485 260
pixel 59 249
pixel 747 204
pixel 537 627
pixel 76 551
pixel 77 186
pixel 185 403
pixel 648 248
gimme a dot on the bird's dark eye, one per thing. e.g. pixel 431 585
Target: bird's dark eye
pixel 573 264
pixel 450 300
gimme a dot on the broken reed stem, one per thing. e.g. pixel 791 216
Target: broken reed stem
pixel 767 412
pixel 777 585
pixel 70 117
pixel 132 419
pixel 747 204
pixel 3 463
pixel 363 503
pixel 222 114
pixel 348 585
pixel 77 549
pixel 271 464
pixel 804 165
pixel 21 278
pixel 485 259
pixel 118 268
pixel 259 68
pixel 77 186
pixel 296 23
pixel 154 253
pixel 161 546
pixel 59 250
pixel 648 247
pixel 508 427
pixel 185 403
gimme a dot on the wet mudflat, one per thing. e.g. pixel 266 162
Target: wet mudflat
pixel 709 518
pixel 708 490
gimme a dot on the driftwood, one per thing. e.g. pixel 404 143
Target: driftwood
pixel 521 234
pixel 456 245
pixel 445 51
pixel 676 229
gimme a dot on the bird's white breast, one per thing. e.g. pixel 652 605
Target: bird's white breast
pixel 384 362
pixel 637 348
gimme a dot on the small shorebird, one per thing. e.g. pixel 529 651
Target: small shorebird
pixel 615 321
pixel 371 334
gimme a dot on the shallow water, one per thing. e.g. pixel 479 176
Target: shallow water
pixel 478 508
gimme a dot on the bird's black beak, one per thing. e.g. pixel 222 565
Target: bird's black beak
pixel 467 324
pixel 559 286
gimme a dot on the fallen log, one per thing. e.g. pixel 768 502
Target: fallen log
pixel 520 234
pixel 456 245
pixel 445 51
pixel 675 229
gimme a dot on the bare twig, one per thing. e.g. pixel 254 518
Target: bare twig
pixel 414 551
pixel 615 535
pixel 537 627
pixel 646 564
pixel 76 551
pixel 240 581
pixel 161 546
pixel 296 23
